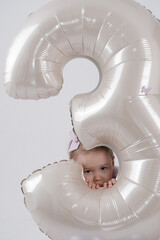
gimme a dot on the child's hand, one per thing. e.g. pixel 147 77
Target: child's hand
pixel 105 185
pixel 93 185
pixel 111 183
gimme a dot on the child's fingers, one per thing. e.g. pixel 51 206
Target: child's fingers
pixel 93 185
pixel 105 185
pixel 97 186
pixel 90 184
pixel 110 184
pixel 113 181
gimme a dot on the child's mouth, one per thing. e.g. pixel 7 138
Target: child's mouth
pixel 100 184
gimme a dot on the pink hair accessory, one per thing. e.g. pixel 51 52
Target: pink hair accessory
pixel 75 143
pixel 145 90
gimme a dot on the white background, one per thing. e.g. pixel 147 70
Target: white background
pixel 34 133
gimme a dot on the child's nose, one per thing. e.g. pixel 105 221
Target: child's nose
pixel 97 176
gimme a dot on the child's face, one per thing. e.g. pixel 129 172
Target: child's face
pixel 97 166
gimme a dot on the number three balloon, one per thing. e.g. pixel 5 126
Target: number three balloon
pixel 123 39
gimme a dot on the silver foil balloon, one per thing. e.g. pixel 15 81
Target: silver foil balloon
pixel 122 38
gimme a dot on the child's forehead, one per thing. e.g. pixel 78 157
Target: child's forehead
pixel 98 153
pixel 96 158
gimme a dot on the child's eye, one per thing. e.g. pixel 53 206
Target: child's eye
pixel 103 168
pixel 88 171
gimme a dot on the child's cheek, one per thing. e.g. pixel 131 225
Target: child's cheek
pixel 87 177
pixel 107 175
